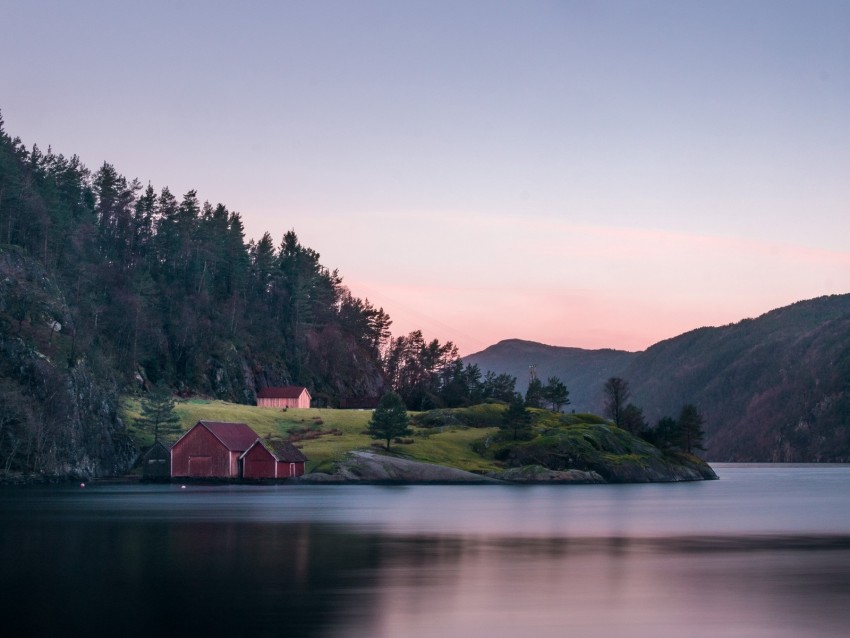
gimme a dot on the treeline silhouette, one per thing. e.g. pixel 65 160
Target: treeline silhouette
pixel 140 286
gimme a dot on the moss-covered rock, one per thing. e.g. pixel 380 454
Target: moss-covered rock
pixel 377 467
pixel 611 453
pixel 485 415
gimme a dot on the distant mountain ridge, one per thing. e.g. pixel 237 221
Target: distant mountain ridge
pixel 774 388
pixel 584 371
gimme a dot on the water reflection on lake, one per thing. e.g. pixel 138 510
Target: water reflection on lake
pixel 765 551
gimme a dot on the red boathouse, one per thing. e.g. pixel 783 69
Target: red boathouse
pixel 211 449
pixel 290 396
pixel 272 459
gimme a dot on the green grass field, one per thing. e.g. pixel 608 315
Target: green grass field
pixel 343 431
pixel 465 438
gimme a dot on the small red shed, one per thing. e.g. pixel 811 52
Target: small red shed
pixel 289 396
pixel 272 459
pixel 211 449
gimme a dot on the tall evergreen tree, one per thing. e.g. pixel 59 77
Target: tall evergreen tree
pixel 690 429
pixel 534 393
pixel 632 419
pixel 389 420
pixel 556 393
pixel 501 387
pixel 158 414
pixel 665 434
pixel 417 369
pixel 517 418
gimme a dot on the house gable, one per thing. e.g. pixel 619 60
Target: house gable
pixel 272 459
pixel 211 449
pixel 156 462
pixel 290 396
pixel 258 462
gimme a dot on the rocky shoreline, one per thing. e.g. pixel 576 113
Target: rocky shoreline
pixel 371 467
pixel 366 466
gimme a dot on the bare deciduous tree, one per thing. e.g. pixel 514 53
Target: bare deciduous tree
pixel 617 393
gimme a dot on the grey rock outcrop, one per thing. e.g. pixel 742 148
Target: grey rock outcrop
pixel 373 467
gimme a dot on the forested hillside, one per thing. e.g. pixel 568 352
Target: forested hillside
pixel 109 286
pixel 114 285
pixel 774 388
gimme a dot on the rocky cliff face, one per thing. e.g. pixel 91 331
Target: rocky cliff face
pixel 57 416
pixel 338 369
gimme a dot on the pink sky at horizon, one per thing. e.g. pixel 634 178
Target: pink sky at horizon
pixel 704 286
pixel 589 174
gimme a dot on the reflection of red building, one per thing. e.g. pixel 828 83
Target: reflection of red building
pixel 272 459
pixel 290 396
pixel 211 449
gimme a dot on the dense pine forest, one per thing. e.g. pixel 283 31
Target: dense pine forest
pixel 110 286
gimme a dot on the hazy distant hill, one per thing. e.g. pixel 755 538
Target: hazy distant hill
pixel 775 388
pixel 584 371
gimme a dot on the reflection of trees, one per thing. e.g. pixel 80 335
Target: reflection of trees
pixel 138 578
pixel 139 575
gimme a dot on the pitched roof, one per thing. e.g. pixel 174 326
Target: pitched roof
pixel 237 437
pixel 285 451
pixel 282 451
pixel 157 448
pixel 286 392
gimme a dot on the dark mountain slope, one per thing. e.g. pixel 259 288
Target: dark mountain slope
pixel 775 388
pixel 583 371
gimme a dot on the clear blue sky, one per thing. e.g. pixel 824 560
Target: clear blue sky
pixel 579 173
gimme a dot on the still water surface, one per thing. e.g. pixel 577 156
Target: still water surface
pixel 765 551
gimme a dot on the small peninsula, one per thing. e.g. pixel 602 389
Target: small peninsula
pixel 580 453
pixel 460 445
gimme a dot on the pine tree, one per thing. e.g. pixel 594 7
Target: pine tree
pixel 665 435
pixel 534 393
pixel 500 387
pixel 390 419
pixel 632 419
pixel 556 393
pixel 517 418
pixel 690 429
pixel 158 414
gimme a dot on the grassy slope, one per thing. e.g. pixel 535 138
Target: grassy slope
pixel 445 437
pixel 446 446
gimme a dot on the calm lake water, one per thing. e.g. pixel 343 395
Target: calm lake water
pixel 765 551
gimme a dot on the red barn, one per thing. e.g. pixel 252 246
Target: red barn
pixel 272 459
pixel 211 449
pixel 289 396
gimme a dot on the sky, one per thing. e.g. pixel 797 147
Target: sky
pixel 579 173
